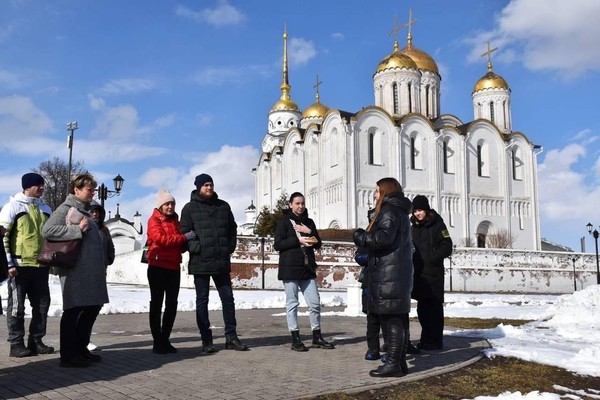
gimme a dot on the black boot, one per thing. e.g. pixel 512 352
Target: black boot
pixel 207 343
pixel 297 344
pixel 36 346
pixel 167 326
pixel 19 350
pixel 235 344
pixel 396 357
pixel 319 342
pixel 158 346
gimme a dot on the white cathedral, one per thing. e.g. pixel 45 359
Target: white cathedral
pixel 481 176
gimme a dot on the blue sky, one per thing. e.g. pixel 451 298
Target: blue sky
pixel 166 90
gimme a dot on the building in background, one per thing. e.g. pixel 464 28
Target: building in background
pixel 481 175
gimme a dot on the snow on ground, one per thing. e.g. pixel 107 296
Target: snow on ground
pixel 565 331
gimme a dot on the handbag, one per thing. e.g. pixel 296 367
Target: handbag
pixel 63 254
pixel 145 254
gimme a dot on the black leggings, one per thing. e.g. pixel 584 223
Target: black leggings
pixel 164 285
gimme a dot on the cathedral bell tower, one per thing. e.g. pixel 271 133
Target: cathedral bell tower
pixel 491 97
pixel 285 113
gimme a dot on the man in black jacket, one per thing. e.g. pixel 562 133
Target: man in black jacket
pixel 432 244
pixel 210 256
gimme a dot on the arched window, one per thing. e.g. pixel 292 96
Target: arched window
pixel 504 113
pixel 492 111
pixel 483 158
pixel 517 164
pixel 395 98
pixel 409 97
pixel 375 148
pixel 416 156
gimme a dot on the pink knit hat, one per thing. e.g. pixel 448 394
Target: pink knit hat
pixel 164 197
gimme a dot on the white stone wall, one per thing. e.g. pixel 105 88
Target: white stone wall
pixel 468 270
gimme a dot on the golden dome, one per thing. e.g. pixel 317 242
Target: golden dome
pixel 423 60
pixel 285 105
pixel 396 60
pixel 317 110
pixel 490 81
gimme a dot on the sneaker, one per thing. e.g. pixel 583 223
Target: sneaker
pixel 372 355
pixel 91 356
pixel 235 344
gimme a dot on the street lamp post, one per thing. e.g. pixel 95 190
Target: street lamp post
pixel 71 127
pixel 574 280
pixel 104 193
pixel 595 233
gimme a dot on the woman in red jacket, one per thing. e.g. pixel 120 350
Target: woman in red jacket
pixel 165 245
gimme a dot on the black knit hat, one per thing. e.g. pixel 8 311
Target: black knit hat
pixel 421 203
pixel 202 179
pixel 31 179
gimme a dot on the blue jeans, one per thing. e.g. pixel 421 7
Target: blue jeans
pixel 223 285
pixel 311 295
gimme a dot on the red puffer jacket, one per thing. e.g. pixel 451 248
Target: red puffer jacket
pixel 165 243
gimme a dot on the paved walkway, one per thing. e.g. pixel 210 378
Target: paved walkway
pixel 270 370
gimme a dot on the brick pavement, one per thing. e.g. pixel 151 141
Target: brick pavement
pixel 269 371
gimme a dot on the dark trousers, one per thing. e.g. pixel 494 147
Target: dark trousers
pixel 430 311
pixel 223 285
pixel 75 329
pixel 30 282
pixel 164 285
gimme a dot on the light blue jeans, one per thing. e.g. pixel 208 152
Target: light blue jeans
pixel 311 295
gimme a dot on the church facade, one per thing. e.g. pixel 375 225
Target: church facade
pixel 481 176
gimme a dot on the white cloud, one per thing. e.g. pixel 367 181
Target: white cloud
pixel 552 35
pixel 568 192
pixel 204 119
pixel 230 168
pixel 9 79
pixel 222 15
pixel 119 123
pixel 96 103
pixel 129 85
pixel 21 119
pixel 337 36
pixel 301 51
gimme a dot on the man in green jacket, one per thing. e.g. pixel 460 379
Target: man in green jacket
pixel 24 216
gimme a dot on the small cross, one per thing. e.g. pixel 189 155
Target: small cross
pixel 317 84
pixel 410 22
pixel 396 29
pixel 488 53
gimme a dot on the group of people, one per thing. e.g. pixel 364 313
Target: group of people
pixel 402 262
pixel 208 231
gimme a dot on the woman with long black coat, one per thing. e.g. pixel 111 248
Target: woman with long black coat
pixel 432 244
pixel 390 276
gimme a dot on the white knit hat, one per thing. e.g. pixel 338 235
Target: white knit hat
pixel 164 197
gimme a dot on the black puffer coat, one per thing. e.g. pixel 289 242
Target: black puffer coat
pixel 213 222
pixel 432 244
pixel 390 275
pixel 291 256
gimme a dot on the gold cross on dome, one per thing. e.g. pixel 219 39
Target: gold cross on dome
pixel 488 53
pixel 317 84
pixel 396 28
pixel 410 22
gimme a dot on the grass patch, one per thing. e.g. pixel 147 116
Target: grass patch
pixel 487 377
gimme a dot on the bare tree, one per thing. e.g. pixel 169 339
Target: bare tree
pixel 501 240
pixel 267 221
pixel 55 173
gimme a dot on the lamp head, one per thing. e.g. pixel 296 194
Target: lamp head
pixel 118 180
pixel 589 227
